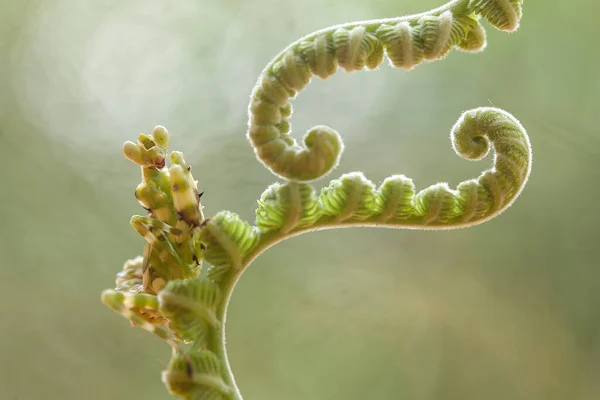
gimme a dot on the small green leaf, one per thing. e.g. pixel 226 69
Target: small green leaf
pixel 190 306
pixel 227 238
pixel 351 197
pixel 286 207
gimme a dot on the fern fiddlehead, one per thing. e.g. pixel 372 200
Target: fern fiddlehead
pixel 406 41
pixel 170 293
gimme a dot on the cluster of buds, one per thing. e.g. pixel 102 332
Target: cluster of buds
pixel 170 196
pixel 171 228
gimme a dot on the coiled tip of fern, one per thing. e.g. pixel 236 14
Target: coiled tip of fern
pixel 319 156
pixel 468 139
pixel 472 136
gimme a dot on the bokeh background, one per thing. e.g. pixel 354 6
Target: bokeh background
pixel 505 310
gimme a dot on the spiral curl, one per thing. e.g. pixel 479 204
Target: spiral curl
pixel 354 200
pixel 405 41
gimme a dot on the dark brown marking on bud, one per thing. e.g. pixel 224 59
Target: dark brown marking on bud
pixel 206 221
pixel 191 222
pixel 176 231
pixel 189 370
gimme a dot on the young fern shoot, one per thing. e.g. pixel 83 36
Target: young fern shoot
pixel 171 294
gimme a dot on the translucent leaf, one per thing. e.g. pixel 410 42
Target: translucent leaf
pixel 351 197
pixel 288 206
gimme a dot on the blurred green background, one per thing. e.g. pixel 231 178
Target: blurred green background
pixel 505 310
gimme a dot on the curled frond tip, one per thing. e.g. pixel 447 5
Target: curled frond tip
pixel 405 41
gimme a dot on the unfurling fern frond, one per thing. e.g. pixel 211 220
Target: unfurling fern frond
pixel 406 41
pixel 353 200
pixel 170 294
